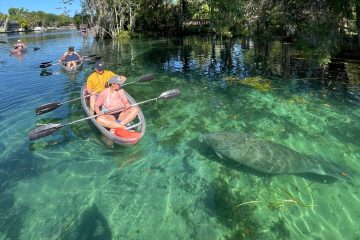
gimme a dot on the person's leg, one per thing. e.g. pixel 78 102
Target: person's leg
pixel 109 121
pixel 128 115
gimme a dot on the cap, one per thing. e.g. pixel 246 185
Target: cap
pixel 116 79
pixel 71 48
pixel 19 40
pixel 99 66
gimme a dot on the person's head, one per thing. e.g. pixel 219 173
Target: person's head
pixel 71 49
pixel 99 67
pixel 115 82
pixel 19 41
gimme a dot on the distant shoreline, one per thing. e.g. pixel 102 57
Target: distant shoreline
pixel 32 30
pixel 18 31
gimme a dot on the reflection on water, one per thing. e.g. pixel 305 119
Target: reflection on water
pixel 72 184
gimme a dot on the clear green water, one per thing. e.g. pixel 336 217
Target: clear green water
pixel 73 185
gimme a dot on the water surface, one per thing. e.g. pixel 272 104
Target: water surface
pixel 75 185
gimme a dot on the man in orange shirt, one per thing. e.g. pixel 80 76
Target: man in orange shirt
pixel 97 81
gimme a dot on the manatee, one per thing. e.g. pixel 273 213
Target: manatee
pixel 266 156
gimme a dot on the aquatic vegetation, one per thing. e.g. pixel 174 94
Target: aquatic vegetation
pixel 257 82
pixel 12 221
pixel 7 200
pixel 281 199
pixel 242 219
pixel 89 223
pixel 221 203
pixel 65 228
pixel 280 229
pixel 298 100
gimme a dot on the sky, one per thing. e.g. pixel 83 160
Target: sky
pixel 48 6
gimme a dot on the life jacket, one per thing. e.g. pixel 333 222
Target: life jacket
pixel 73 57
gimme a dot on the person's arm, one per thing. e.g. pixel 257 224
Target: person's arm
pixel 97 110
pixel 63 56
pixel 99 102
pixel 125 100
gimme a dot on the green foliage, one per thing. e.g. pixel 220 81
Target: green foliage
pixel 123 35
pixel 224 14
pixel 199 10
pixel 28 19
pixel 155 17
pixel 318 34
pixel 318 26
pixel 322 26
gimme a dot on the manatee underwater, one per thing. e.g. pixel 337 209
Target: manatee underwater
pixel 266 156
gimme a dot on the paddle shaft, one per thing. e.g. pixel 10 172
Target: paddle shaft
pixel 49 64
pixel 52 106
pixel 35 48
pixel 56 62
pixel 165 95
pixel 46 130
pixel 94 55
pixel 53 64
pixel 109 113
pixel 90 94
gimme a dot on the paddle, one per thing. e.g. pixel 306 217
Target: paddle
pixel 45 73
pixel 49 64
pixel 48 129
pixel 52 106
pixel 90 56
pixel 3 42
pixel 93 58
pixel 35 48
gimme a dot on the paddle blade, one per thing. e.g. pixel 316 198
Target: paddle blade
pixel 36 48
pixel 173 93
pixel 47 108
pixel 43 131
pixel 45 73
pixel 147 77
pixel 45 65
pixel 3 42
pixel 46 62
pixel 90 56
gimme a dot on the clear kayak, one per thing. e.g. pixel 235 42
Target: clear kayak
pixel 137 125
pixel 18 51
pixel 78 66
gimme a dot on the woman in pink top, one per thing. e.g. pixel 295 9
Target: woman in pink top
pixel 113 99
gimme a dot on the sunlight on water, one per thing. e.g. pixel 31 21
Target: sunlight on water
pixel 75 185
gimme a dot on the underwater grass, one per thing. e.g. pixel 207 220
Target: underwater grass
pixel 286 199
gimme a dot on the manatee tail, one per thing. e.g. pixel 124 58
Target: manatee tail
pixel 332 170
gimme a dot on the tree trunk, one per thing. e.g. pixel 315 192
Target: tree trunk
pixel 357 5
pixel 131 19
